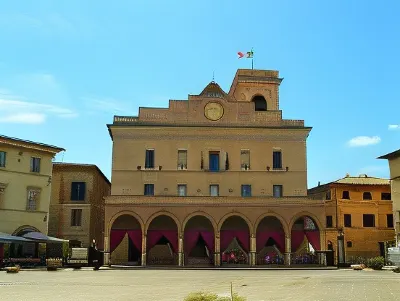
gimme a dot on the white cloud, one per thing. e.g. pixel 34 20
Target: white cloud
pixel 110 105
pixel 363 141
pixel 394 126
pixel 24 118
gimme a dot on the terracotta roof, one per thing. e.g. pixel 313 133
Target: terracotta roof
pixel 391 155
pixel 57 165
pixel 362 180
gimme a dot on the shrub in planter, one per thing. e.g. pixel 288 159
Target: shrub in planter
pixel 200 296
pixel 376 263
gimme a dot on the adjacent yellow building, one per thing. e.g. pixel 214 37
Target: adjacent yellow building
pixel 394 164
pixel 25 185
pixel 360 210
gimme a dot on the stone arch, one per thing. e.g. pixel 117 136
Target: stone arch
pixel 200 213
pixel 125 212
pixel 305 213
pixel 25 227
pixel 125 238
pixel 199 239
pixel 260 103
pixel 162 238
pixel 228 215
pixel 166 213
pixel 273 214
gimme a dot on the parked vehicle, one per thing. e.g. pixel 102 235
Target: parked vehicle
pixel 86 257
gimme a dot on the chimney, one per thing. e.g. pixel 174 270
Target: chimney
pixel 319 183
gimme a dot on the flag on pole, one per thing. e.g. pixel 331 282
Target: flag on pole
pixel 246 55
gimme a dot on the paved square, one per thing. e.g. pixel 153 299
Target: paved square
pixel 174 285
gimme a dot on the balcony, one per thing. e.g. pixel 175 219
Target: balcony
pixel 156 168
pixel 182 167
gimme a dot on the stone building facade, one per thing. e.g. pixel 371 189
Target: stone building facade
pixel 359 209
pixel 25 185
pixel 394 165
pixel 77 203
pixel 219 178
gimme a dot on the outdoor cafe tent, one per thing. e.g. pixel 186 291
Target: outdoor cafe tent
pixel 7 238
pixel 40 237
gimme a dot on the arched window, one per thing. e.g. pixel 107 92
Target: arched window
pixel 260 103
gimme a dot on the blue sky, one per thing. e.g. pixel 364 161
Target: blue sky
pixel 66 67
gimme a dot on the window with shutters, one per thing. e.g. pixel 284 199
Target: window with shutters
pixel 245 159
pixel 78 190
pixel 148 189
pixel 213 163
pixel 33 199
pixel 76 217
pixel 3 159
pixel 214 190
pixel 35 164
pixel 277 160
pixel 182 159
pixel 182 189
pixel 149 160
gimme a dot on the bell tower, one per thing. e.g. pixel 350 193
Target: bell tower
pixel 258 86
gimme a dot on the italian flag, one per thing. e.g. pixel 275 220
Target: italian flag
pixel 246 55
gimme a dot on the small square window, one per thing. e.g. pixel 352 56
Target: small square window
pixel 214 190
pixel 148 189
pixel 349 244
pixel 182 190
pixel 386 196
pixel 329 221
pixel 369 220
pixel 246 190
pixel 346 195
pixel 277 191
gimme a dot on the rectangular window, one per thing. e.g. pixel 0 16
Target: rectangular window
pixel 278 191
pixel 33 198
pixel 245 159
pixel 182 190
pixel 78 190
pixel 2 159
pixel 386 196
pixel 148 189
pixel 214 190
pixel 346 195
pixel 369 220
pixel 246 190
pixel 389 220
pixel 277 160
pixel 35 164
pixel 213 161
pixel 329 221
pixel 76 217
pixel 149 161
pixel 182 159
pixel 347 220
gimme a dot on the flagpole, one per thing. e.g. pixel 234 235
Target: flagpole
pixel 252 63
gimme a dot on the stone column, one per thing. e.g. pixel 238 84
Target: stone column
pixel 288 250
pixel 144 249
pixel 181 259
pixel 253 250
pixel 217 254
pixel 107 254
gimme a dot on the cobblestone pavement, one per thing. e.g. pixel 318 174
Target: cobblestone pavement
pixel 174 285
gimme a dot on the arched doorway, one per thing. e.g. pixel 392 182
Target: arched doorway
pixel 24 249
pixel 199 245
pixel 126 241
pixel 235 241
pixel 162 241
pixel 260 104
pixel 270 241
pixel 305 241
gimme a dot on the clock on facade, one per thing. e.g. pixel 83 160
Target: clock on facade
pixel 213 111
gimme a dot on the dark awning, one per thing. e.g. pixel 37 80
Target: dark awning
pixel 7 238
pixel 40 237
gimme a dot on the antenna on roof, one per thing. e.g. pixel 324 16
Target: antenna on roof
pixel 213 77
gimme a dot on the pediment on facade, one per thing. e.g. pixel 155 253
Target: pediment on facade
pixel 213 90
